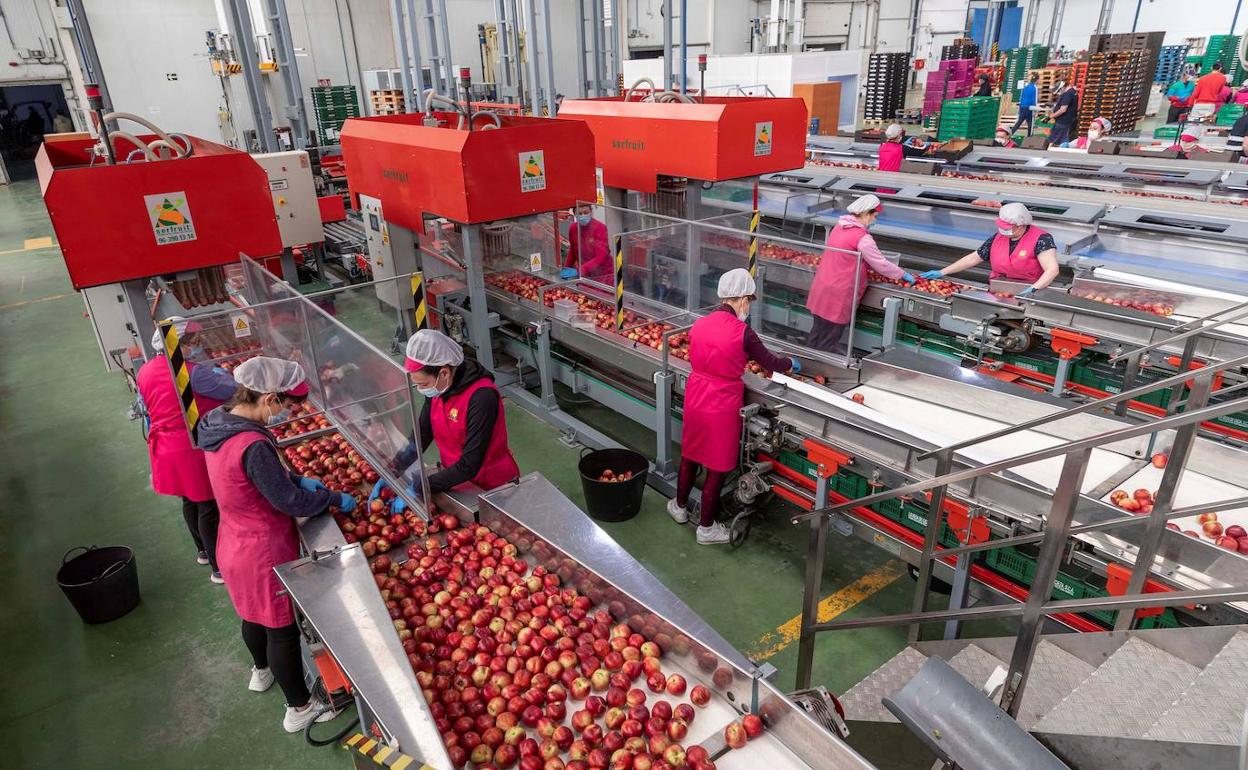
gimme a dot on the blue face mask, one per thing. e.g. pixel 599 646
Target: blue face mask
pixel 583 219
pixel 280 417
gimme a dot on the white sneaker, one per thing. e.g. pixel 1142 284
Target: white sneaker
pixel 215 577
pixel 297 719
pixel 679 515
pixel 261 679
pixel 716 534
pixel 201 558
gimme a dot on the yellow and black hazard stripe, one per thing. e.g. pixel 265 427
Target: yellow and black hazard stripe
pixel 381 754
pixel 181 377
pixel 420 311
pixel 753 263
pixel 619 282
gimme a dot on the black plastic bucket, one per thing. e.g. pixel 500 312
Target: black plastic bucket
pixel 613 500
pixel 101 583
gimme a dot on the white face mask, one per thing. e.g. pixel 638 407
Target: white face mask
pixel 281 417
pixel 743 314
pixel 433 391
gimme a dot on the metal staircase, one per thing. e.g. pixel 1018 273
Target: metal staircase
pixel 1169 698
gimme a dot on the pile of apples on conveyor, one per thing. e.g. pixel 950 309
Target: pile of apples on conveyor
pixel 841 164
pixel 520 670
pixel 332 460
pixel 518 283
pixel 303 419
pixel 236 352
pixel 770 251
pixel 936 286
pixel 650 334
pixel 985 204
pixel 678 345
pixel 1156 308
pixel 612 477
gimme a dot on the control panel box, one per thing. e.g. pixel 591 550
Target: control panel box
pixel 293 190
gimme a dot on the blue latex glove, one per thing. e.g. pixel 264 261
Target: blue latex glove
pixel 797 365
pixel 346 503
pixel 908 278
pixel 1030 290
pixel 931 275
pixel 397 505
pixel 414 489
pixel 380 485
pixel 567 274
pixel 310 485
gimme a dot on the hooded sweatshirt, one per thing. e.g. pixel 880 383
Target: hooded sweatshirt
pixel 479 426
pixel 262 465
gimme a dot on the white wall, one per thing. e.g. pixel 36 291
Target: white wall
pixel 1178 18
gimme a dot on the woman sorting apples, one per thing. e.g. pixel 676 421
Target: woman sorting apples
pixel 259 501
pixel 720 346
pixel 1018 251
pixel 832 295
pixel 177 465
pixel 463 414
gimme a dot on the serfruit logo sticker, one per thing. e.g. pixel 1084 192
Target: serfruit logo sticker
pixel 532 171
pixel 171 217
pixel 762 138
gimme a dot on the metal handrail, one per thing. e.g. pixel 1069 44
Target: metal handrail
pixel 1097 526
pixel 1173 421
pixel 1090 406
pixel 1179 337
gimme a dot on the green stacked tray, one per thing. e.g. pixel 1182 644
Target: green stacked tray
pixel 332 106
pixel 975 117
pixel 1229 113
pixel 1166 132
pixel 1018 62
pixel 1225 49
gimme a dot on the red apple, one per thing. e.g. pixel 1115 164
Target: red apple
pixel 656 682
pixel 699 695
pixel 683 712
pixel 753 725
pixel 734 735
pixel 675 756
pixel 677 730
pixel 675 685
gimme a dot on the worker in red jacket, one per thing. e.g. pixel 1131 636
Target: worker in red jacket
pixel 589 249
pixel 1207 96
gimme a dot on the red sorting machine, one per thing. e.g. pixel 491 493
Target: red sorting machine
pixel 128 221
pixel 714 140
pixel 527 166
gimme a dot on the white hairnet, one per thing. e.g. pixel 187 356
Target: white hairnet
pixel 264 374
pixel 864 204
pixel 432 348
pixel 158 339
pixel 736 283
pixel 893 131
pixel 1104 123
pixel 1015 214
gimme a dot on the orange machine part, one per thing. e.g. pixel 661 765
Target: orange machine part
pixel 1068 344
pixel 828 460
pixel 331 672
pixel 957 515
pixel 110 226
pixel 1193 366
pixel 1117 577
pixel 719 138
pixel 528 166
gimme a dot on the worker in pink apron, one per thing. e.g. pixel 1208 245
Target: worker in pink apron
pixel 896 147
pixel 177 465
pixel 1098 128
pixel 720 346
pixel 260 500
pixel 832 299
pixel 589 248
pixel 463 414
pixel 1019 251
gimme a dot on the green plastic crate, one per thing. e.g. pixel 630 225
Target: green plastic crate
pixel 1013 564
pixel 1229 114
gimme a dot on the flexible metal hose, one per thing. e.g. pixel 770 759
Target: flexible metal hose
pixel 628 95
pixel 155 129
pixel 137 142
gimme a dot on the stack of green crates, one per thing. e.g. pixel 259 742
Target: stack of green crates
pixel 1018 62
pixel 1225 49
pixel 974 117
pixel 1229 113
pixel 333 105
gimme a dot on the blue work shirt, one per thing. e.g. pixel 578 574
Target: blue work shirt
pixel 1028 97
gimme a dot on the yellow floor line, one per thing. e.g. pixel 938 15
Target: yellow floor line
pixel 25 302
pixel 864 587
pixel 38 243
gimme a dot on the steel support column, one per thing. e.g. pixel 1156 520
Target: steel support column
pixel 502 26
pixel 548 42
pixel 664 460
pixel 92 70
pixel 935 516
pixel 436 77
pixel 1056 532
pixel 239 18
pixel 816 550
pixel 288 68
pixel 401 53
pixel 418 59
pixel 448 67
pixel 582 89
pixel 667 45
pixel 479 317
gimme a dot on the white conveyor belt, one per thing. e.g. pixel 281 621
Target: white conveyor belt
pixel 1194 489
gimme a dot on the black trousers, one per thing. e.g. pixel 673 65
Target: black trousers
pixel 1024 116
pixel 278 649
pixel 1060 133
pixel 202 520
pixel 1173 115
pixel 826 336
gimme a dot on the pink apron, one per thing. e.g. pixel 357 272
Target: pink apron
pixel 1021 264
pixel 254 537
pixel 449 417
pixel 832 291
pixel 714 394
pixel 177 466
pixel 890 156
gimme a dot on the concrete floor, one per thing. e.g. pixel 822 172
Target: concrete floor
pixel 166 685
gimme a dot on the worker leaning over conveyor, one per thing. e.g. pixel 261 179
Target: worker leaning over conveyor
pixel 260 500
pixel 589 252
pixel 463 414
pixel 1019 251
pixel 1097 129
pixel 177 465
pixel 721 343
pixel 832 298
pixel 896 147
